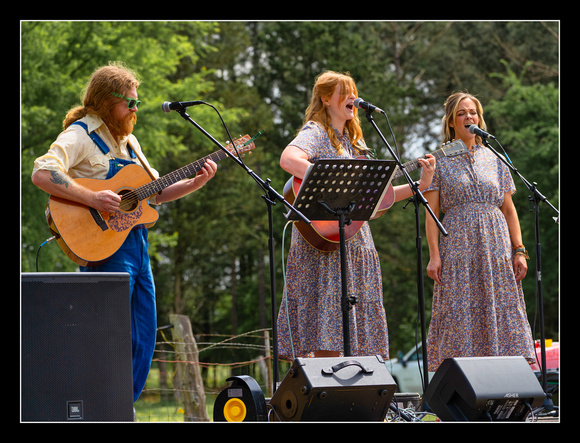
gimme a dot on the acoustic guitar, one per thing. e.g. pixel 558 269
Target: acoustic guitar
pixel 324 234
pixel 89 237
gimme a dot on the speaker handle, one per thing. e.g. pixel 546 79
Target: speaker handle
pixel 344 364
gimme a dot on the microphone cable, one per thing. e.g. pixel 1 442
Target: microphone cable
pixel 227 130
pixel 41 245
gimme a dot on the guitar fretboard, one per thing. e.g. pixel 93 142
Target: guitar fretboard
pixel 146 191
pixel 455 148
pixel 152 188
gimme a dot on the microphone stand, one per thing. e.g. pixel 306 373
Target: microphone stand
pixel 536 198
pixel 418 199
pixel 270 198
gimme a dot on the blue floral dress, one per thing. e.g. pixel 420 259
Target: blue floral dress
pixel 479 308
pixel 310 317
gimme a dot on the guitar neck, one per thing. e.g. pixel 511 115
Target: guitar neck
pixel 154 187
pixel 414 164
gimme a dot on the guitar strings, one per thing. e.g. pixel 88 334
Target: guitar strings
pixel 132 198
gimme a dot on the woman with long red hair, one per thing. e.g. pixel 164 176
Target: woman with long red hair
pixel 310 319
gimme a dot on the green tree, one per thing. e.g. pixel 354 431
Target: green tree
pixel 527 126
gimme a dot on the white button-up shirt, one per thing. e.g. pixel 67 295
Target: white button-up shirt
pixel 75 153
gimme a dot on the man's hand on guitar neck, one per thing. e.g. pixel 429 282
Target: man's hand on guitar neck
pixel 187 186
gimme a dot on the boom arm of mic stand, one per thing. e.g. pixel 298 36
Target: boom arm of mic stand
pixel 531 187
pixel 420 289
pixel 271 194
pixel 537 197
pixel 414 186
pixel 263 184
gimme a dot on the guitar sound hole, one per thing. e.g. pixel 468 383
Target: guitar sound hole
pixel 129 201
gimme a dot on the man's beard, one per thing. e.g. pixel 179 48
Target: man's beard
pixel 121 128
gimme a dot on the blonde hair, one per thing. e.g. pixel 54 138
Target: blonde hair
pixel 451 105
pixel 324 87
pixel 97 97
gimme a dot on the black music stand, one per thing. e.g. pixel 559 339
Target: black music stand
pixel 343 190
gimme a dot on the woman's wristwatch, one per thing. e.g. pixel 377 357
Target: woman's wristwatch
pixel 521 249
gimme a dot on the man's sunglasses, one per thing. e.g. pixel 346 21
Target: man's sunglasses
pixel 131 102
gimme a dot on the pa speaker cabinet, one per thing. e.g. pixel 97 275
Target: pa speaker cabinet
pixel 76 347
pixel 334 389
pixel 484 389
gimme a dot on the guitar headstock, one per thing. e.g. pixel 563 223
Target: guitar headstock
pixel 455 147
pixel 241 144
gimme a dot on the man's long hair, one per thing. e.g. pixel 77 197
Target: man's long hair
pixel 98 98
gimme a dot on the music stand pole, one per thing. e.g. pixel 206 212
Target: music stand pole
pixel 346 302
pixel 354 189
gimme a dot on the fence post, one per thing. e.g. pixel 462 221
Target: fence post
pixel 190 387
pixel 268 363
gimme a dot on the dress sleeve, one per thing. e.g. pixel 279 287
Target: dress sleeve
pixel 506 181
pixel 309 139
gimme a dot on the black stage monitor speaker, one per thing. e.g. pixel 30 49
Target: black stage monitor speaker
pixel 76 347
pixel 334 389
pixel 484 389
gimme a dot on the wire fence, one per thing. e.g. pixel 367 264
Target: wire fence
pixel 188 373
pixel 169 391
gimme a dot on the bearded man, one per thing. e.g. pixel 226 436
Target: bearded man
pixel 97 142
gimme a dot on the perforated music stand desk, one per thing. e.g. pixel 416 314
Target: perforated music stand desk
pixel 344 190
pixel 338 183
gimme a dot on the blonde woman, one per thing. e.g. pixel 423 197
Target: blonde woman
pixel 478 302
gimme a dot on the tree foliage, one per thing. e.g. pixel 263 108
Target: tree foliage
pixel 210 249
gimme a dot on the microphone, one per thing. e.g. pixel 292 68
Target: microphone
pixel 478 131
pixel 360 103
pixel 179 106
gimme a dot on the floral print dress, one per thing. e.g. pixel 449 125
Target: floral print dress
pixel 479 308
pixel 310 317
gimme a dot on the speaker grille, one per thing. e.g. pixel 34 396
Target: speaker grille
pixel 76 347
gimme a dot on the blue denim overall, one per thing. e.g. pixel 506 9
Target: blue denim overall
pixel 133 257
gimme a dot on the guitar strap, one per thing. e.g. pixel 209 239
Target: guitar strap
pixel 143 163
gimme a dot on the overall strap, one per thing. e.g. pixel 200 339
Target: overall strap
pixel 105 149
pixel 95 137
pixel 99 141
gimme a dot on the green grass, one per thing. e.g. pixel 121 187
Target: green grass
pixel 156 406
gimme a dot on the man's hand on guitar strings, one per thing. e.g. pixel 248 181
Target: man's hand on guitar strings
pixel 106 201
